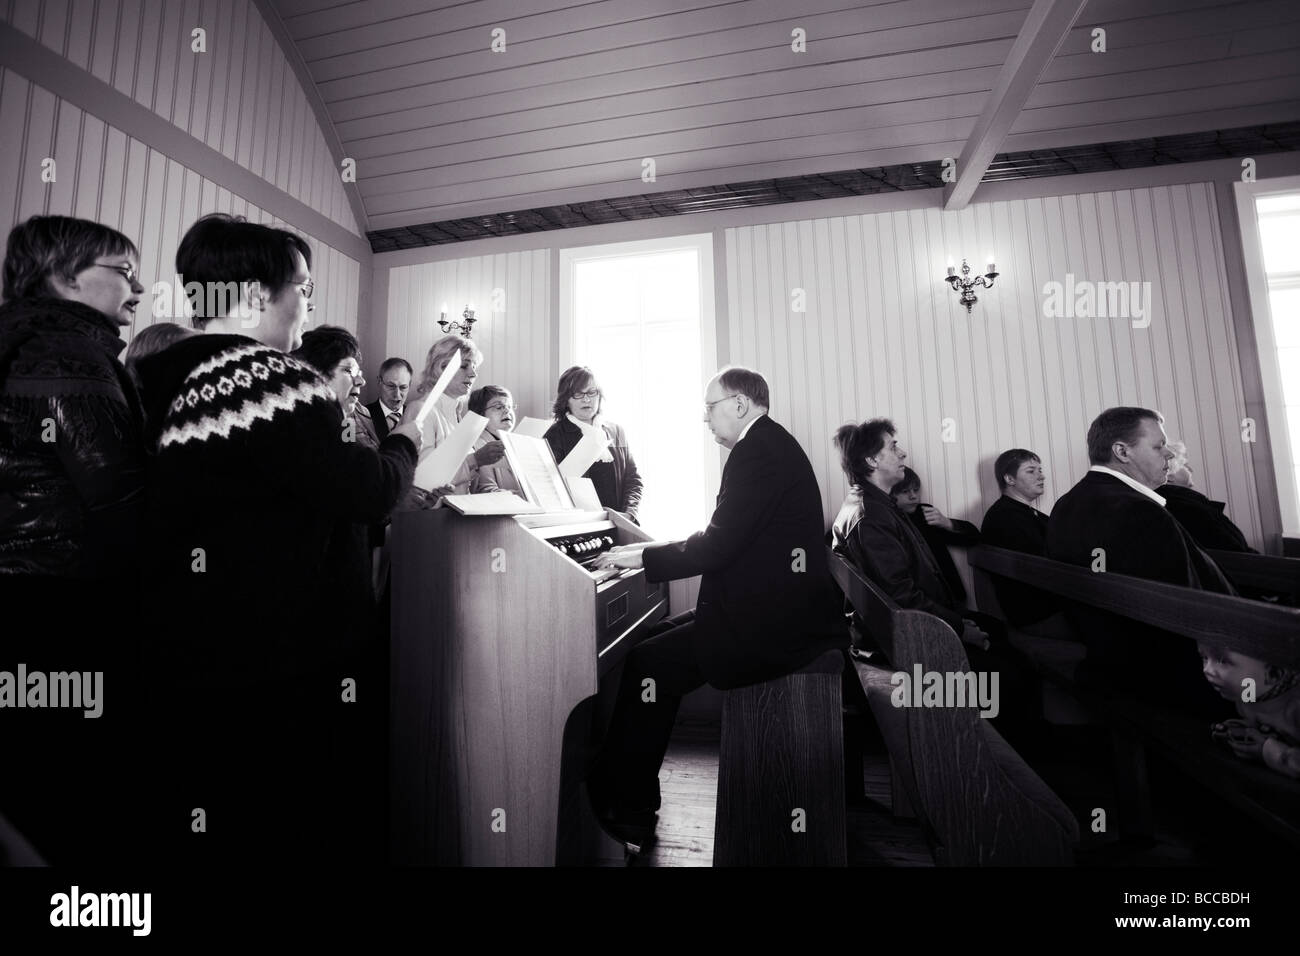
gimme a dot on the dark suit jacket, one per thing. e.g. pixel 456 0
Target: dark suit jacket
pixel 378 420
pixel 1204 519
pixel 618 484
pixel 1142 539
pixel 764 608
pixel 1016 526
pixel 884 545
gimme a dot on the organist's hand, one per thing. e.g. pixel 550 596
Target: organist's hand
pixel 623 556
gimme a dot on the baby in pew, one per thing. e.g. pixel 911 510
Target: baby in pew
pixel 1269 727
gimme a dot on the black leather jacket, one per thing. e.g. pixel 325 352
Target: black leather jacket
pixel 71 445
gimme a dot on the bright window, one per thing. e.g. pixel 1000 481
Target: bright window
pixel 1273 263
pixel 640 315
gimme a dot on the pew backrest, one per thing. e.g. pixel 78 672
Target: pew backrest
pixel 1266 631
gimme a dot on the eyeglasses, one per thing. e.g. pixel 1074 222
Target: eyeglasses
pixel 127 271
pixel 395 385
pixel 589 393
pixel 499 407
pixel 708 406
pixel 307 288
pixel 353 370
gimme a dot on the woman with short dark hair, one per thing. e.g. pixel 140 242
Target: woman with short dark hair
pixel 577 407
pixel 71 496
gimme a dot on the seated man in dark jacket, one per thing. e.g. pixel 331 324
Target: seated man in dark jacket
pixel 1115 520
pixel 880 540
pixel 766 605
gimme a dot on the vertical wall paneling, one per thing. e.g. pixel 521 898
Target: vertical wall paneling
pixel 883 335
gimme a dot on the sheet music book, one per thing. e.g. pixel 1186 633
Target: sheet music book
pixel 583 493
pixel 439 466
pixel 532 427
pixel 492 503
pixel 534 467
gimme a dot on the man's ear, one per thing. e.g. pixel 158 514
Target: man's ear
pixel 255 294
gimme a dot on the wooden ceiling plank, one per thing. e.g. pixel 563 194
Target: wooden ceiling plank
pixel 470 161
pixel 637 68
pixel 919 137
pixel 539 108
pixel 566 126
pixel 1044 30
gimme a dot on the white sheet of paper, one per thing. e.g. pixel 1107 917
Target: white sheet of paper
pixel 532 427
pixel 493 503
pixel 439 387
pixel 583 493
pixel 534 466
pixel 439 466
pixel 585 453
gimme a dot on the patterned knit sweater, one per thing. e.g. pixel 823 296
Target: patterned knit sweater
pixel 254 479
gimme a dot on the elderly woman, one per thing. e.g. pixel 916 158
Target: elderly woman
pixel 447 412
pixel 577 412
pixel 497 405
pixel 72 468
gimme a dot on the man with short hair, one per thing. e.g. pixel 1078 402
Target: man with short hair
pixel 1012 522
pixel 766 603
pixel 394 383
pixel 1115 514
pixel 251 475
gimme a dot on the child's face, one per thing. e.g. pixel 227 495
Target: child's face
pixel 1225 670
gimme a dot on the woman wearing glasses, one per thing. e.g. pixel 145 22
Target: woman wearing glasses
pixel 577 411
pixel 71 487
pixel 497 405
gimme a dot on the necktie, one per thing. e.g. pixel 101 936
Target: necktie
pixel 393 418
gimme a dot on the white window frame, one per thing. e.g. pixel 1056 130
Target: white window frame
pixel 1266 343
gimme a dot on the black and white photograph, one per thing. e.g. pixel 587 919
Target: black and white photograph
pixel 455 450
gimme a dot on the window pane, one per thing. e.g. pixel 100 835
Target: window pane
pixel 1285 306
pixel 1281 238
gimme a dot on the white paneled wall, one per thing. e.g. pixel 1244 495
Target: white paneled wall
pixel 882 334
pixel 102 174
pixel 240 97
pixel 513 328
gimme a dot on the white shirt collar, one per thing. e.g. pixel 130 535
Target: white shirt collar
pixel 1135 485
pixel 388 411
pixel 745 431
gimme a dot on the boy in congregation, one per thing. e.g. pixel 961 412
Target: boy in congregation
pixel 251 475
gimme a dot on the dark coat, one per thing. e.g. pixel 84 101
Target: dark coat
pixel 72 490
pixel 767 604
pixel 1204 519
pixel 885 545
pixel 1016 526
pixel 1139 538
pixel 963 534
pixel 618 484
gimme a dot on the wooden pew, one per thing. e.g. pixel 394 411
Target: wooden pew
pixel 978 802
pixel 1266 631
pixel 781 771
pixel 1262 573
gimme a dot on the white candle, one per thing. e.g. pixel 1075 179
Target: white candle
pixel 951 271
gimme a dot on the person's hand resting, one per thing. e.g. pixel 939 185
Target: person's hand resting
pixel 1246 740
pixel 934 516
pixel 971 634
pixel 433 499
pixel 491 453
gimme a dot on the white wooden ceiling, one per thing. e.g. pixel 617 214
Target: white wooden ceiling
pixel 442 127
